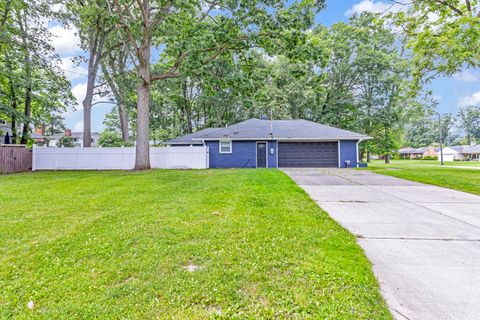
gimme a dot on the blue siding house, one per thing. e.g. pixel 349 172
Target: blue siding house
pixel 258 143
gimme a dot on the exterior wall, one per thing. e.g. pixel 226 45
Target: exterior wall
pixel 272 157
pixel 447 157
pixel 244 155
pixel 430 152
pixel 348 151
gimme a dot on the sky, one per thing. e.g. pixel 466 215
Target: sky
pixel 451 93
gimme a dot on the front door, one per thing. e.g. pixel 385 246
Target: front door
pixel 261 154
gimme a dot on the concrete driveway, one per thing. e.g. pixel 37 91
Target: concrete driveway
pixel 423 241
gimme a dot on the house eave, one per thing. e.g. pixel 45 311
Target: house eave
pixel 283 139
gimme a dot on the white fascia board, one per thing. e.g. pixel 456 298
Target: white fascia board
pixel 283 139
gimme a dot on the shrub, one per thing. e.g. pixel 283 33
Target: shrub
pixel 430 158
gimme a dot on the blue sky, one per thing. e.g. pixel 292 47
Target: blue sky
pixel 451 93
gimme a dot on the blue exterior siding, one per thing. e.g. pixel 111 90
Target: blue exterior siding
pixel 272 158
pixel 348 151
pixel 243 155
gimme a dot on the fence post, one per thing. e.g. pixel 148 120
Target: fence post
pixel 33 158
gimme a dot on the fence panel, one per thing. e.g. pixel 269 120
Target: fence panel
pixel 118 158
pixel 15 158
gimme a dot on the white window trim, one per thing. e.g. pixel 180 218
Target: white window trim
pixel 220 147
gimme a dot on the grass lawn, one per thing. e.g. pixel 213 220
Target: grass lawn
pixel 433 163
pixel 178 245
pixel 462 179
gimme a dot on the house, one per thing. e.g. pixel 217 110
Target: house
pixel 417 153
pixel 449 154
pixel 4 129
pixel 260 143
pixel 77 138
pixel 467 153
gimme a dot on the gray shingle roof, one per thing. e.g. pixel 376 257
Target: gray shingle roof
pixel 187 139
pixel 256 129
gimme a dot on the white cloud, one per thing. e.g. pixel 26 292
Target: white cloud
pixel 78 127
pixel 368 6
pixel 473 99
pixel 72 71
pixel 78 92
pixel 467 76
pixel 64 40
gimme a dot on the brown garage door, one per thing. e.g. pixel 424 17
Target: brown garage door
pixel 307 154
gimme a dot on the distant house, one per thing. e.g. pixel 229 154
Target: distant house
pixel 417 153
pixel 467 152
pixel 4 129
pixel 259 143
pixel 449 154
pixel 77 138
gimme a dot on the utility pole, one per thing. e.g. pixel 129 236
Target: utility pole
pixel 440 137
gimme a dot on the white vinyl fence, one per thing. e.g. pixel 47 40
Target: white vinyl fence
pixel 117 158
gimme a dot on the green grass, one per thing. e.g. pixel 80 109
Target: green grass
pixel 433 163
pixel 115 245
pixel 462 179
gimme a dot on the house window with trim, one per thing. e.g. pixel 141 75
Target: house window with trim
pixel 225 146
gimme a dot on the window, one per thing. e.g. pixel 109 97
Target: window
pixel 225 146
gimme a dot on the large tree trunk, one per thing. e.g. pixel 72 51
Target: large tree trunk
pixel 28 89
pixel 13 102
pixel 123 122
pixel 142 159
pixel 87 101
pixel 142 150
pixel 95 53
pixel 120 102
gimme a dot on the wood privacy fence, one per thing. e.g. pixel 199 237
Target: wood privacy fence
pixel 15 158
pixel 118 158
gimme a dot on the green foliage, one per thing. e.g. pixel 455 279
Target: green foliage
pixel 110 138
pixel 467 180
pixel 66 142
pixel 119 245
pixel 443 35
pixel 469 121
pixel 32 88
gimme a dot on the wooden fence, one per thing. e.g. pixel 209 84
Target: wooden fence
pixel 15 158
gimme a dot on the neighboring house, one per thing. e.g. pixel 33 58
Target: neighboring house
pixel 449 154
pixel 468 153
pixel 258 143
pixel 4 128
pixel 417 153
pixel 77 138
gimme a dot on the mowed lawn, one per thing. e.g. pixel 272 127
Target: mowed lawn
pixel 462 179
pixel 177 245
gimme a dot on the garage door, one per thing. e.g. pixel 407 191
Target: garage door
pixel 307 154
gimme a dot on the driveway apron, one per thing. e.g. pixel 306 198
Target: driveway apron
pixel 423 241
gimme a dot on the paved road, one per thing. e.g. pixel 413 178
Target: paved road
pixel 423 241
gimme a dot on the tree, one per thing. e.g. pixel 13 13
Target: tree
pixel 31 87
pixel 114 69
pixel 385 103
pixel 469 121
pixel 66 142
pixel 110 139
pixel 191 37
pixel 95 26
pixel 443 35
